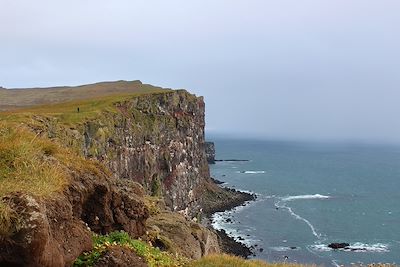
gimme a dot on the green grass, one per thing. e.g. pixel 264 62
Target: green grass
pixel 67 112
pixel 153 256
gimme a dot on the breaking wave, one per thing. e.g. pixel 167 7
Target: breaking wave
pixel 356 247
pixel 251 172
pixel 316 196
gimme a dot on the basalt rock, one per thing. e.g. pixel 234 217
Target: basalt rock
pixel 338 245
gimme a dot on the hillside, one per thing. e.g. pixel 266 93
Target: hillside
pixel 27 97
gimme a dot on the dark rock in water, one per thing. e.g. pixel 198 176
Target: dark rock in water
pixel 229 220
pixel 293 247
pixel 216 181
pixel 230 246
pixel 338 245
pixel 210 152
pixel 261 249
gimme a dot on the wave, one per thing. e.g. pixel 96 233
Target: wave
pixel 356 247
pixel 283 249
pixel 316 196
pixel 251 172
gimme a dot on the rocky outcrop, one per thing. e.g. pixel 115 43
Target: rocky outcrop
pixel 116 256
pixel 210 152
pixel 172 232
pixel 55 231
pixel 338 245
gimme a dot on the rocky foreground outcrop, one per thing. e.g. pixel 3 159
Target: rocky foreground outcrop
pixel 54 231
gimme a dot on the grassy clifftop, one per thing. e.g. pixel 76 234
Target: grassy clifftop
pixel 11 99
pixel 18 105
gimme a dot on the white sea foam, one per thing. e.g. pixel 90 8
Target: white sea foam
pixel 295 215
pixel 251 172
pixel 219 222
pixel 356 247
pixel 316 196
pixel 283 249
pixel 314 231
pixel 361 247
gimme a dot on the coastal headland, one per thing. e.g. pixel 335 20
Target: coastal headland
pixel 96 171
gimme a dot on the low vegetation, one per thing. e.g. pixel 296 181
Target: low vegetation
pixel 29 163
pixel 9 220
pixel 153 256
pixel 223 260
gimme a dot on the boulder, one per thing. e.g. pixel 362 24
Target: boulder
pixel 338 245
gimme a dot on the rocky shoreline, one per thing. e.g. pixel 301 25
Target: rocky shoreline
pixel 228 200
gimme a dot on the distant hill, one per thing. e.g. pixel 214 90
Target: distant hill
pixel 26 97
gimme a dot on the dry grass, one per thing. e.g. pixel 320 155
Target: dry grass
pixel 223 260
pixel 9 220
pixel 29 163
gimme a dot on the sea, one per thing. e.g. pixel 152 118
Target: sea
pixel 310 195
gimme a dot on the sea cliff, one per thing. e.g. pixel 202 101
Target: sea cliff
pixel 136 162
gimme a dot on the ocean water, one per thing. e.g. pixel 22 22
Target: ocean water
pixel 313 194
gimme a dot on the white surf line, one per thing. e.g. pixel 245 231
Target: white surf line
pixel 298 217
pixel 301 197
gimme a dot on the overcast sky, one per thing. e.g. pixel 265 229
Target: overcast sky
pixel 286 69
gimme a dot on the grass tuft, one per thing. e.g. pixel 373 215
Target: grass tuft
pixel 9 220
pixel 29 163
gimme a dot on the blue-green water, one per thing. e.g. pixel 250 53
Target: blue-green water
pixel 310 195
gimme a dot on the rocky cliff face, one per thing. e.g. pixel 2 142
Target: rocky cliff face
pixel 154 139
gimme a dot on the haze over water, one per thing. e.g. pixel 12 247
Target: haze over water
pixel 313 194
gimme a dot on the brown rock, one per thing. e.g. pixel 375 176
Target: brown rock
pixel 120 257
pixel 173 232
pixel 55 231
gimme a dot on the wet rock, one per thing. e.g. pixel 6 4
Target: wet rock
pixel 338 245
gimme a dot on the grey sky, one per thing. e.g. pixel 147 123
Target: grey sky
pixel 307 69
